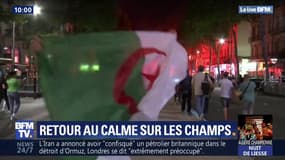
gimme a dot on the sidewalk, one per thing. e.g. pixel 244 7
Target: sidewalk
pixel 172 112
pixel 275 89
pixel 30 109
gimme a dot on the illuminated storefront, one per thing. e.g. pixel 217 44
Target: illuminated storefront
pixel 25 66
pixel 269 39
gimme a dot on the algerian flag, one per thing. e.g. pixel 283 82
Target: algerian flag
pixel 110 76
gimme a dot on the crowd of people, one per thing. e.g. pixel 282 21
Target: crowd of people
pixel 9 96
pixel 198 89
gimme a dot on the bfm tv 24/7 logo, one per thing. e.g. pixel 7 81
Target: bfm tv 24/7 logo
pixel 24 129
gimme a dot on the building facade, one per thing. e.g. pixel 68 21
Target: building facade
pixel 268 43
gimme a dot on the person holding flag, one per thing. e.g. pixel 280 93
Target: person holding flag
pixel 105 93
pixel 165 62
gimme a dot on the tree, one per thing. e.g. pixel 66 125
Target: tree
pixel 6 12
pixel 91 16
pixel 193 21
pixel 209 23
pixel 214 20
pixel 7 17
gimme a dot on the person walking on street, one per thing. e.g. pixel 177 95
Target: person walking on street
pixel 202 85
pixel 248 95
pixel 178 93
pixel 13 95
pixel 208 97
pixel 4 97
pixel 226 93
pixel 240 79
pixel 186 93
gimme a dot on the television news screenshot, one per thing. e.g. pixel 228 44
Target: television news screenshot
pixel 142 79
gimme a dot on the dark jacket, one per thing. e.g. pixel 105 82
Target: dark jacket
pixel 186 87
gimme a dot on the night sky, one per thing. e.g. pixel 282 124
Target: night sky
pixel 153 15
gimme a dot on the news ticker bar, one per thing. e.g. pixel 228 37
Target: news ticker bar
pixel 125 129
pixel 137 147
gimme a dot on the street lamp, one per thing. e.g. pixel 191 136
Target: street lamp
pixel 196 59
pixel 37 10
pixel 13 45
pixel 221 40
pixel 274 60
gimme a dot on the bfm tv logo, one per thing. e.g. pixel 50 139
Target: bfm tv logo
pixel 24 129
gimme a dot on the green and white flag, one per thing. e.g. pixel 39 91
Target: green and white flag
pixel 110 76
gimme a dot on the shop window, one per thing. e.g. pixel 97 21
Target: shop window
pixel 27 60
pixel 17 56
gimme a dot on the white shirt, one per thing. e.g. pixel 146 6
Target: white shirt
pixel 226 88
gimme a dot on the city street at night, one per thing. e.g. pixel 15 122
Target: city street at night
pixel 114 79
pixel 265 104
pixel 35 109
